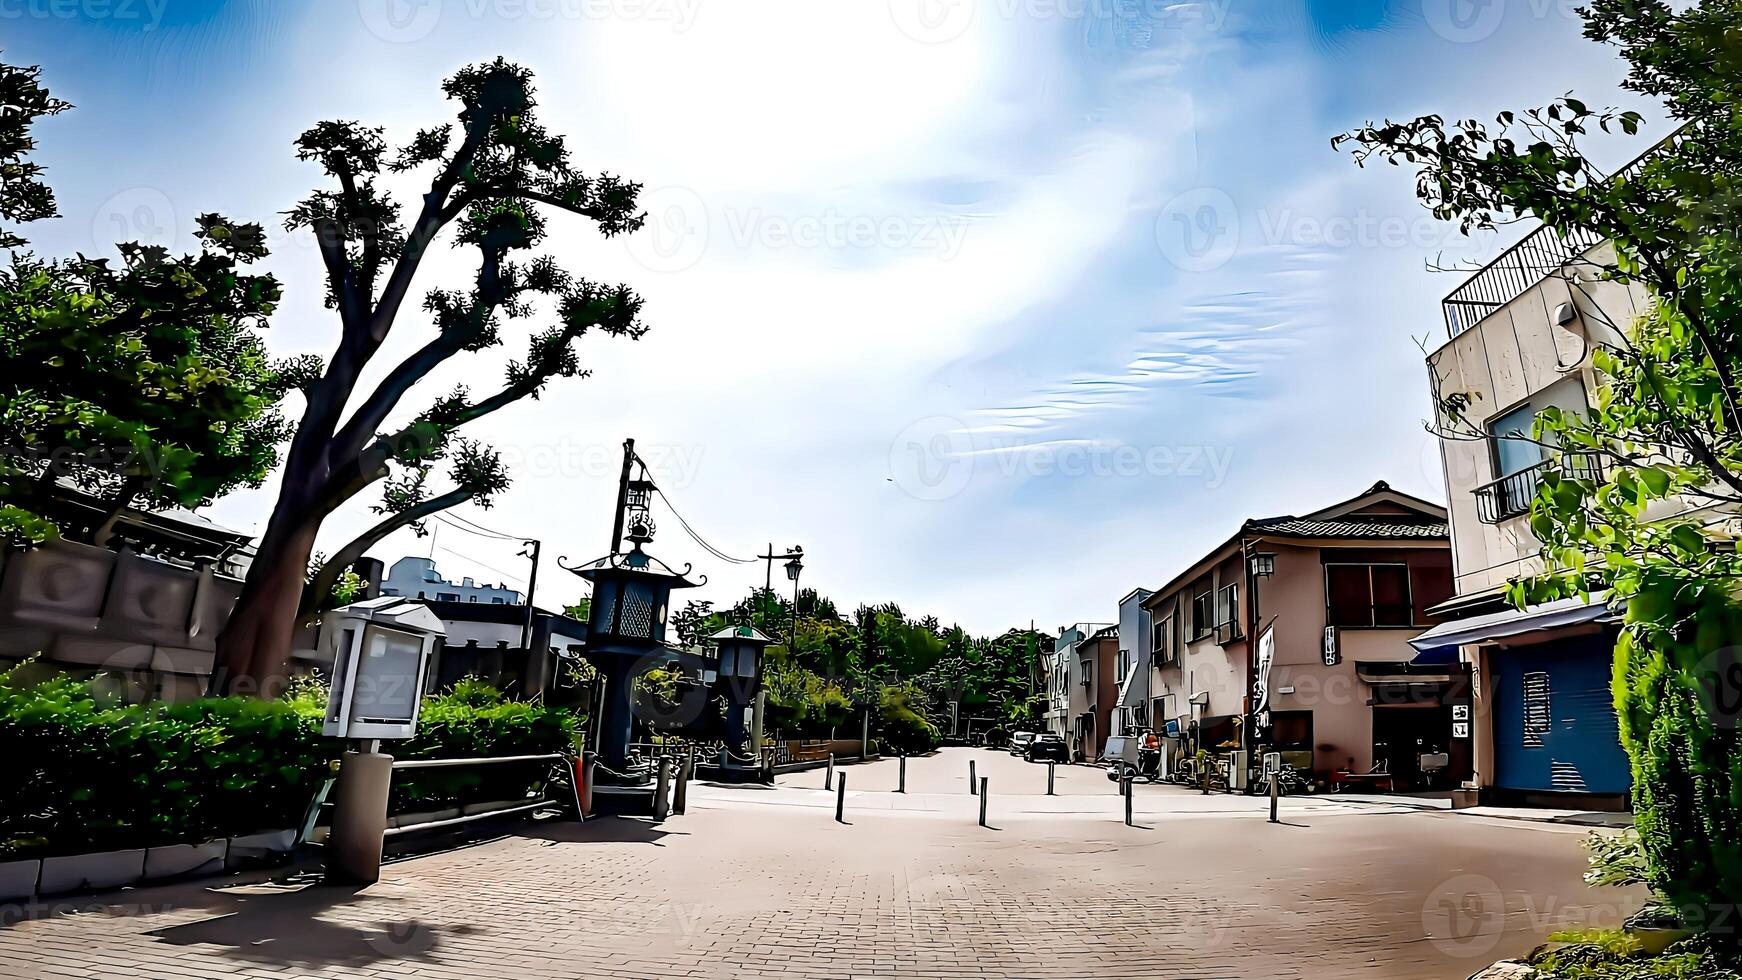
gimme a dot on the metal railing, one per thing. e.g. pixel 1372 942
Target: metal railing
pixel 544 800
pixel 1536 256
pixel 1510 496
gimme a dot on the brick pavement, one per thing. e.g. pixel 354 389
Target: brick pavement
pixel 743 890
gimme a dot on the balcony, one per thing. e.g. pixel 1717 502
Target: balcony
pixel 1520 267
pixel 1510 496
pixel 1533 259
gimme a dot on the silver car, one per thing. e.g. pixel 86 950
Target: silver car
pixel 1019 742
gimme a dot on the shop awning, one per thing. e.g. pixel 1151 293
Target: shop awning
pixel 1513 622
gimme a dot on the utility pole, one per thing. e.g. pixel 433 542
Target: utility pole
pixel 622 496
pixel 531 584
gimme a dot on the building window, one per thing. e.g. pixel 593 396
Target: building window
pixel 1124 666
pixel 1228 605
pixel 448 596
pixel 471 598
pixel 497 600
pixel 1367 594
pixel 1536 708
pixel 1164 641
pixel 1203 614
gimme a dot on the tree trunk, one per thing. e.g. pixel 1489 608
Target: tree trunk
pixel 253 653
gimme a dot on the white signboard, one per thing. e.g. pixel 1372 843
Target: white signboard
pixel 1261 671
pixel 1333 656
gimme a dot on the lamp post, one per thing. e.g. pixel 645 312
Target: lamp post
pixel 794 565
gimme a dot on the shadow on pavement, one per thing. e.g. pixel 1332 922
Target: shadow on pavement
pixel 285 925
pixel 619 830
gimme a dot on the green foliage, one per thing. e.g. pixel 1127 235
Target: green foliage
pixel 1616 859
pixel 1609 954
pixel 905 727
pixel 1662 441
pixel 146 382
pixel 86 775
pixel 471 721
pixel 23 194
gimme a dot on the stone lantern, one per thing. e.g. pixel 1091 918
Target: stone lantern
pixel 739 658
pixel 625 630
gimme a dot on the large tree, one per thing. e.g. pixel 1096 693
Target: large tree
pixel 139 384
pixel 1648 522
pixel 494 173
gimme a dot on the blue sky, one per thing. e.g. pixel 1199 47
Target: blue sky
pixel 999 307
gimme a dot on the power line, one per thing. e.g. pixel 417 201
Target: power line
pixel 474 528
pixel 460 554
pixel 697 538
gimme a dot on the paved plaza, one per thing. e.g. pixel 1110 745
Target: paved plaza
pixel 762 882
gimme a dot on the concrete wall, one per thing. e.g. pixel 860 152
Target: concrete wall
pixel 146 627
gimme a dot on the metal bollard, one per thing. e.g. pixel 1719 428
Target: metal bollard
pixel 1275 792
pixel 841 800
pixel 983 801
pixel 971 786
pixel 680 796
pixel 901 787
pixel 1049 769
pixel 1128 796
pixel 829 774
pixel 662 802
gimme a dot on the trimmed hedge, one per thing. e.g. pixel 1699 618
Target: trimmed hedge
pixel 82 774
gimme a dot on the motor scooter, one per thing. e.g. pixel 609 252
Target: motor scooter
pixel 1147 766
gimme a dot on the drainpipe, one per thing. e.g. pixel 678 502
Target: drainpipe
pixel 1251 641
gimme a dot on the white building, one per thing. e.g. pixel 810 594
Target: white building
pixel 417 578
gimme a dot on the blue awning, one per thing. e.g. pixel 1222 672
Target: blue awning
pixel 1514 622
pixel 1436 657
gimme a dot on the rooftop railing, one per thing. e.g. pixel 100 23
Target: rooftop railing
pixel 1533 259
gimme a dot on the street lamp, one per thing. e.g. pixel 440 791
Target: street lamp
pixel 794 565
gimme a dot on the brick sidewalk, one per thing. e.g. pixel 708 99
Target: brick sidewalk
pixel 750 891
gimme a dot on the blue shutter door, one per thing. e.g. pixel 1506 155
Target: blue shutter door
pixel 1554 719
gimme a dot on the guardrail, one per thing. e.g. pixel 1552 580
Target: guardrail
pixel 565 762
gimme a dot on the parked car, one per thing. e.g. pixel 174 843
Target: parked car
pixel 1019 742
pixel 1047 747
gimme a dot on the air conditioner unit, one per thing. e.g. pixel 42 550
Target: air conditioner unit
pixel 1227 633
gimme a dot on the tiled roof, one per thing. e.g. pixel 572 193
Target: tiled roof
pixel 1378 526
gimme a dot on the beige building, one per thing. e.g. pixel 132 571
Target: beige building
pixel 1522 331
pixel 1343 589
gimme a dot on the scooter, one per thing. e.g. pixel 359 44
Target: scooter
pixel 1148 766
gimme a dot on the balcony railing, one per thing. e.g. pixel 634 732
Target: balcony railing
pixel 1510 496
pixel 1527 263
pixel 1520 267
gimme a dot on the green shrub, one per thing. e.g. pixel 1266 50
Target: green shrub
pixel 1669 686
pixel 85 775
pixel 474 721
pixel 905 728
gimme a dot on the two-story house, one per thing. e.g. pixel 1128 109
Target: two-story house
pixel 1097 674
pixel 1341 590
pixel 1522 331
